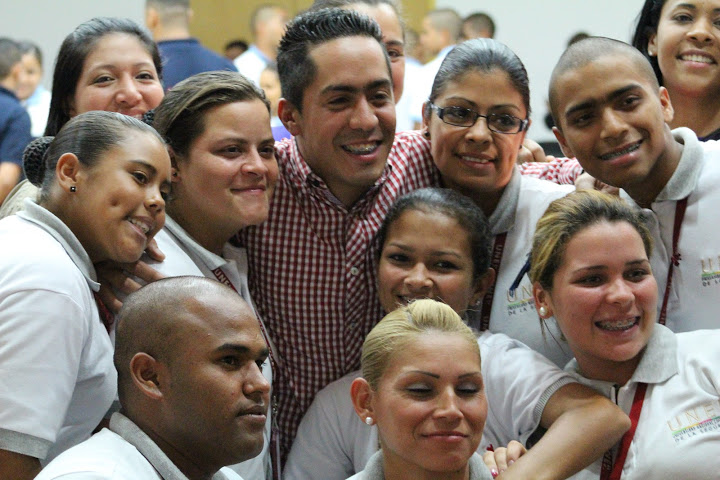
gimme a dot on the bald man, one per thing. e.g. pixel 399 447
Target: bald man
pixel 188 353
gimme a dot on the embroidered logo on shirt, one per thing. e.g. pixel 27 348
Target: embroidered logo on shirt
pixel 710 271
pixel 695 421
pixel 521 300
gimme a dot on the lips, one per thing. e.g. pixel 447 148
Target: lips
pixel 697 57
pixel 478 159
pixel 446 435
pixel 362 148
pixel 629 148
pixel 255 412
pixel 618 325
pixel 143 224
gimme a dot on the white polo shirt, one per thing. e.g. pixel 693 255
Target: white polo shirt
pixel 333 443
pixel 678 432
pixel 57 377
pixel 184 256
pixel 122 452
pixel 695 291
pixel 522 204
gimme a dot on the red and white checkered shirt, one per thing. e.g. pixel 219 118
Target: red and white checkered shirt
pixel 561 170
pixel 312 271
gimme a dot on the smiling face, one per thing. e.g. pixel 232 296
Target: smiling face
pixel 430 405
pixel 347 124
pixel 614 121
pixel 119 203
pixel 473 160
pixel 31 78
pixel 687 45
pixel 229 175
pixel 604 298
pixel 216 399
pixel 118 76
pixel 427 255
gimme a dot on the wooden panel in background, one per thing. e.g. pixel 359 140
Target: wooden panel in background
pixel 218 21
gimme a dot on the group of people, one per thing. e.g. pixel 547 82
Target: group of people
pixel 352 302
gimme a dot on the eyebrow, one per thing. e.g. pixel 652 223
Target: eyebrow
pixel 609 98
pixel 111 66
pixel 631 263
pixel 693 7
pixel 395 42
pixel 493 107
pixel 434 375
pixel 242 349
pixel 434 253
pixel 381 83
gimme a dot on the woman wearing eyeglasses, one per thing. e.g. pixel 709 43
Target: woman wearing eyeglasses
pixel 476 119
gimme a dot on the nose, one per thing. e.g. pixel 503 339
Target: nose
pixel 701 31
pixel 255 165
pixel 154 202
pixel 620 292
pixel 255 382
pixel 479 132
pixel 613 125
pixel 127 92
pixel 363 116
pixel 447 405
pixel 418 278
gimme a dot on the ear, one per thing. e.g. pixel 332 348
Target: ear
pixel 667 108
pixel 652 45
pixel 567 151
pixel 146 374
pixel 483 284
pixel 542 299
pixel 361 395
pixel 174 168
pixel 290 117
pixel 68 171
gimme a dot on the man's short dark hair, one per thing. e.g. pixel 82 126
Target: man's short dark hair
pixel 10 55
pixel 480 22
pixel 295 67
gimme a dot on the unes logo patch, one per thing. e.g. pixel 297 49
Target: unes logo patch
pixel 696 421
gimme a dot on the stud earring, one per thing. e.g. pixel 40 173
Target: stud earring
pixel 73 189
pixel 543 312
pixel 369 420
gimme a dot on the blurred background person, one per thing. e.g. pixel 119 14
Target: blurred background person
pixel 235 48
pixel 268 26
pixel 478 25
pixel 183 56
pixel 33 95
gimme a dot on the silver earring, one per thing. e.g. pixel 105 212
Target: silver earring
pixel 543 312
pixel 369 420
pixel 73 189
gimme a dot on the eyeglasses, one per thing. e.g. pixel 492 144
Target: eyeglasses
pixel 464 117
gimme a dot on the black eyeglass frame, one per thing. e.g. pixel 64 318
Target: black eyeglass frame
pixel 440 111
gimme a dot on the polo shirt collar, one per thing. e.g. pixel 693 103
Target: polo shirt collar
pixel 210 260
pixel 503 218
pixel 45 219
pixel 683 180
pixel 132 434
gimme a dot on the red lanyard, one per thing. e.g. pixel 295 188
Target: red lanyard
pixel 612 471
pixel 275 435
pixel 675 259
pixel 497 254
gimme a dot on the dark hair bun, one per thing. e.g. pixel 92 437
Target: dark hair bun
pixel 34 159
pixel 149 117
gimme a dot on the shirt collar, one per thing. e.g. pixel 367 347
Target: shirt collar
pixel 46 220
pixel 210 260
pixel 683 180
pixel 306 178
pixel 503 218
pixel 658 362
pixel 132 434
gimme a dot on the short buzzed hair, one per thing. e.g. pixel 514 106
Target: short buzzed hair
pixel 10 56
pixel 149 321
pixel 447 20
pixel 589 50
pixel 478 23
pixel 262 14
pixel 171 12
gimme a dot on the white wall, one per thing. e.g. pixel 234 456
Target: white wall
pixel 538 31
pixel 47 22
